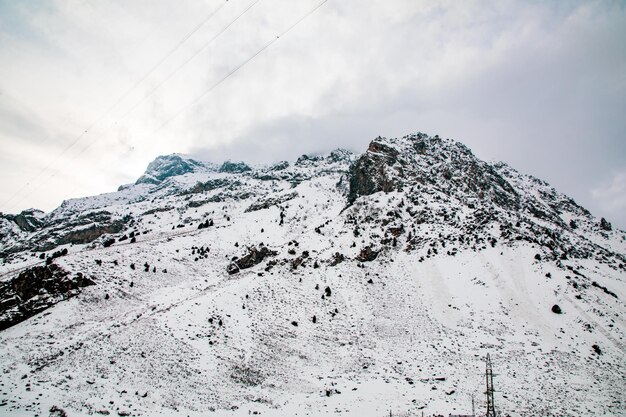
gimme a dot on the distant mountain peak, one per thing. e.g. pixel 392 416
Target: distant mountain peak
pixel 166 166
pixel 234 167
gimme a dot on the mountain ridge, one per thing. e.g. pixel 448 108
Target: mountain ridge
pixel 339 282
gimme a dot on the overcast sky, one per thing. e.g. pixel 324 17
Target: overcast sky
pixel 540 85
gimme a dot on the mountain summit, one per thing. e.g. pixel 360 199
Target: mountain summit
pixel 167 166
pixel 356 284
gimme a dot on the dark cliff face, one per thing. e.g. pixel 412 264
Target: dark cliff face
pixel 376 170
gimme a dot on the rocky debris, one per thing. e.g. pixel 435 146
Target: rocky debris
pixel 269 202
pixel 36 289
pixel 253 257
pixel 337 259
pixel 603 288
pixel 157 210
pixel 247 376
pixel 367 254
pixel 396 230
pixel 55 411
pixel 56 254
pixel 300 260
pixel 213 184
pixel 108 242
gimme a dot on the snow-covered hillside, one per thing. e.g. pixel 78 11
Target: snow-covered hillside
pixel 340 284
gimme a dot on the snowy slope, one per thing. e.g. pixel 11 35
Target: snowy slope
pixel 394 273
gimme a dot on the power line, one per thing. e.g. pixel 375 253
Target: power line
pixel 114 105
pixel 237 68
pixel 194 55
pixel 151 92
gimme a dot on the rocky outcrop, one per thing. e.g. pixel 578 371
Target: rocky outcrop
pixel 234 167
pixel 211 185
pixel 445 165
pixel 367 254
pixel 84 229
pixel 253 257
pixel 306 160
pixel 28 220
pixel 36 289
pixel 605 225
pixel 376 170
pixel 270 202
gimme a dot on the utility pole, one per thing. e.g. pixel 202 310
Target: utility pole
pixel 491 410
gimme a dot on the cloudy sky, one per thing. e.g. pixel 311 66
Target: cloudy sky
pixel 92 90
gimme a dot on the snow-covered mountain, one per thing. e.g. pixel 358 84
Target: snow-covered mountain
pixel 339 284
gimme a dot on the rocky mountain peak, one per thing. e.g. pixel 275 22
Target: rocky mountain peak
pixel 166 166
pixel 442 165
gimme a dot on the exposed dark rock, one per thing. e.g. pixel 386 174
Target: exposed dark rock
pixel 279 166
pixel 157 210
pixel 367 254
pixel 56 254
pixel 57 412
pixel 372 172
pixel 254 257
pixel 605 225
pixel 556 309
pixel 337 259
pixel 234 167
pixel 205 224
pixel 36 289
pixel 392 164
pixel 213 185
pixel 605 289
pixel 305 160
pixel 28 220
pixel 269 202
pixel 83 229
